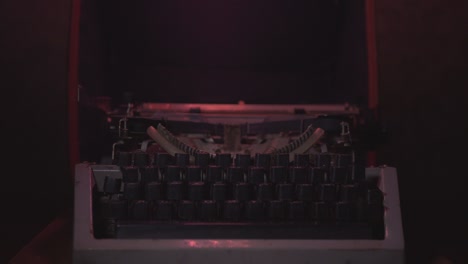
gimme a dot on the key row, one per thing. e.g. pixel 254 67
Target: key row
pixel 232 210
pixel 255 175
pixel 220 191
pixel 225 160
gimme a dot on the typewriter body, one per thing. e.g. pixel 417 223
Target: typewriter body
pixel 218 174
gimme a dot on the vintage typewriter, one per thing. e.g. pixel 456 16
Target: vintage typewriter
pixel 234 183
pixel 246 145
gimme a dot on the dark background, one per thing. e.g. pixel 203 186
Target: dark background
pixel 422 80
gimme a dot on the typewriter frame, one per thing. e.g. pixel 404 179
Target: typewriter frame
pixel 88 249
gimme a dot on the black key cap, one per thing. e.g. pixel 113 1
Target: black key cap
pixel 186 210
pixel 153 191
pixel 348 193
pixel 241 191
pixel 181 159
pixel 223 160
pixel 256 175
pixel 323 160
pixel 262 160
pixel 124 158
pixel 131 191
pixel 301 160
pixel 207 211
pixel 149 174
pixel 276 210
pixel 254 211
pixel 344 160
pixel 285 192
pixel 196 191
pixel 305 192
pixel 316 175
pixel 242 161
pixel 130 174
pixel 175 191
pixel 298 175
pixel 320 211
pixel 193 174
pixel 139 210
pixel 141 159
pixel 163 210
pixel 232 210
pixel 202 159
pixel 218 192
pixel 327 192
pixel 214 174
pixel 112 185
pixel 265 192
pixel 161 159
pixel 338 175
pixel 343 212
pixel 296 211
pixel 282 160
pixel 235 174
pixel 278 174
pixel 172 174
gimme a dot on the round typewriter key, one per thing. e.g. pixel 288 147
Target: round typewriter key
pixel 282 159
pixel 149 174
pixel 338 175
pixel 298 175
pixel 141 159
pixel 235 174
pixel 181 159
pixel 153 191
pixel 218 192
pixel 161 159
pixel 112 185
pixel 242 161
pixel 327 192
pixel 301 160
pixel 256 175
pixel 207 211
pixel 196 191
pixel 130 174
pixel 163 210
pixel 174 191
pixel 223 160
pixel 285 192
pixel 316 175
pixel 320 211
pixel 193 174
pixel 202 159
pixel 276 210
pixel 254 210
pixel 305 192
pixel 186 210
pixel 139 210
pixel 348 193
pixel 296 211
pixel 241 191
pixel 124 158
pixel 265 192
pixel 131 191
pixel 323 160
pixel 214 174
pixel 172 174
pixel 278 174
pixel 344 160
pixel 343 212
pixel 262 160
pixel 231 210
